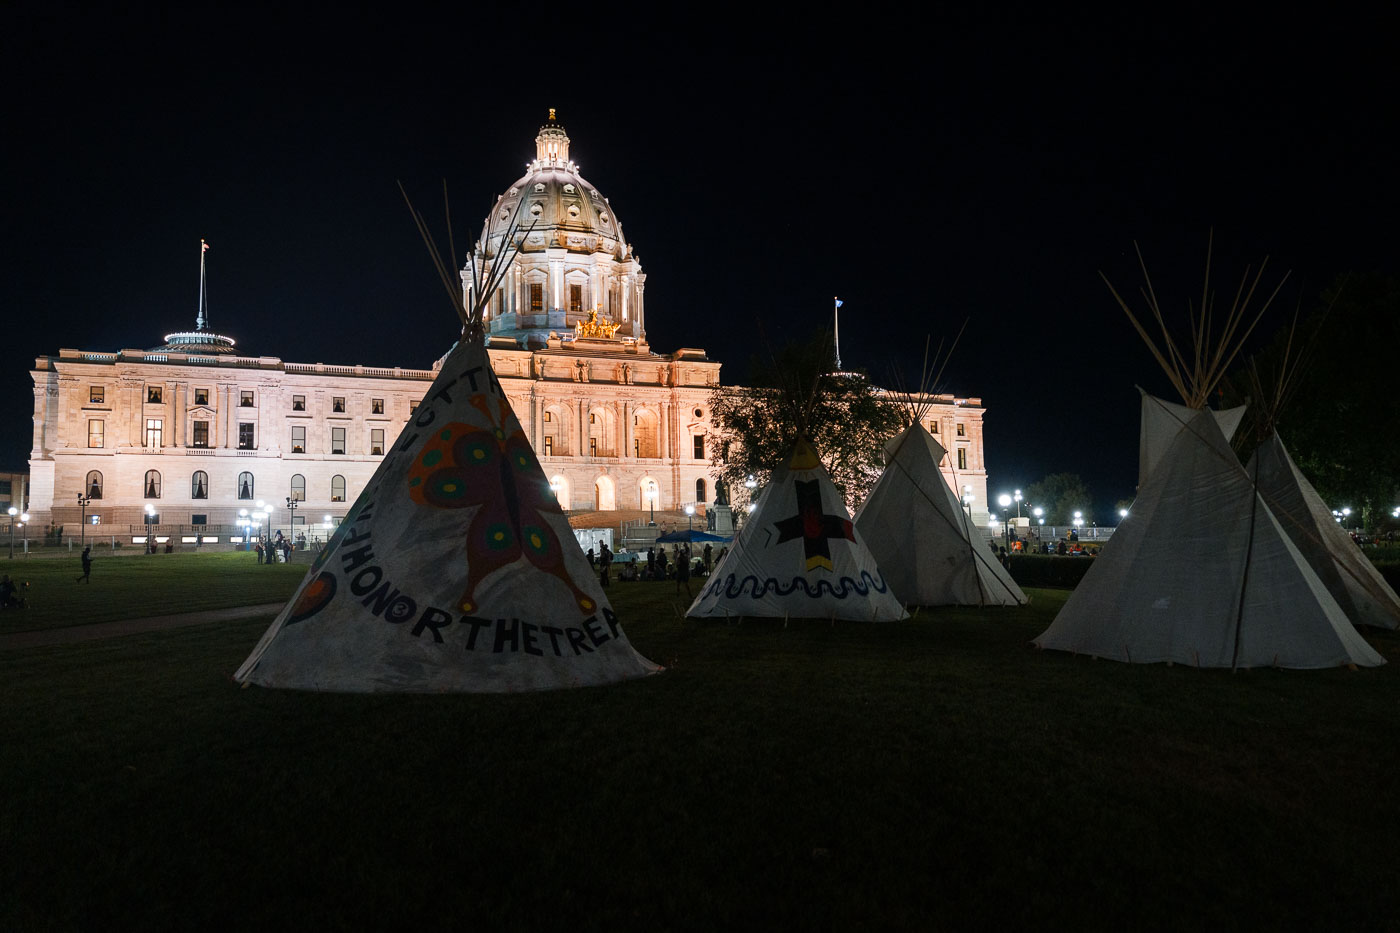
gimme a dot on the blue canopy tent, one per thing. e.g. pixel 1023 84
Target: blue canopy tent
pixel 690 535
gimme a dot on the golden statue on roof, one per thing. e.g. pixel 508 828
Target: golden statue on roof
pixel 594 327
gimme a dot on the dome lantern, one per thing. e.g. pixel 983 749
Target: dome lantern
pixel 552 145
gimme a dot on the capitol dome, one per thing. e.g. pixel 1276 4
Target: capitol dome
pixel 574 264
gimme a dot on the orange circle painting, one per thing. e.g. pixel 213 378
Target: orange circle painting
pixel 313 599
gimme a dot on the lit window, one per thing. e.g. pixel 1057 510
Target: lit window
pixel 592 418
pixel 593 446
pixel 338 404
pixel 337 440
pixel 95 432
pixel 97 395
pixel 245 399
pixel 298 403
pixel 299 439
pixel 152 484
pixel 962 458
pixel 699 490
pixel 549 446
pixel 962 430
pixel 200 435
pixel 245 436
pixel 153 432
pixel 698 443
pixel 933 427
pixel 201 396
pixel 245 485
pixel 298 487
pixel 576 299
pixel 199 485
pixel 337 488
pixel 93 483
pixel 376 406
pixel 376 441
pixel 154 394
pixel 548 417
pixel 536 298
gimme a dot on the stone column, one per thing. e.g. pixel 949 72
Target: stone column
pixel 228 414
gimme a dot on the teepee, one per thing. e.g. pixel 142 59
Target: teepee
pixel 921 537
pixel 799 555
pixel 1201 571
pixel 455 570
pixel 1352 580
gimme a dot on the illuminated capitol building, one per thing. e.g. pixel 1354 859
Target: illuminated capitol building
pixel 190 433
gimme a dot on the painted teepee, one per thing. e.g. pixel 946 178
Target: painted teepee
pixel 455 570
pixel 1201 572
pixel 921 537
pixel 799 555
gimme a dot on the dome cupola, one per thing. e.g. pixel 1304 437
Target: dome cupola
pixel 574 264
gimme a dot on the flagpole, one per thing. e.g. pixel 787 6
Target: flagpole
pixel 836 330
pixel 201 322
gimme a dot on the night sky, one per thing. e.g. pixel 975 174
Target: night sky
pixel 962 170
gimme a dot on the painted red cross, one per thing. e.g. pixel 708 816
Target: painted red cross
pixel 814 528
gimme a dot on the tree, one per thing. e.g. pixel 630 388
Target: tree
pixel 844 417
pixel 1060 495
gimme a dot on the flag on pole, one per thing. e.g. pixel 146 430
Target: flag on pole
pixel 203 246
pixel 839 302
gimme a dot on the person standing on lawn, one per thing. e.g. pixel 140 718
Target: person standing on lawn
pixel 87 566
pixel 683 574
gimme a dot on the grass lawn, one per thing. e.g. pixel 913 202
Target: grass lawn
pixel 133 586
pixel 917 775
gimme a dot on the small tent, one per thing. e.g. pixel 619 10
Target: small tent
pixel 455 569
pixel 921 537
pixel 1351 579
pixel 799 555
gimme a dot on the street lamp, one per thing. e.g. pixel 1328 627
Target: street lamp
pixel 326 524
pixel 13 512
pixel 243 521
pixel 292 516
pixel 689 517
pixel 651 502
pixel 82 532
pixel 1018 503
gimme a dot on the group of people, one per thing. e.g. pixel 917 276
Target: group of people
pixel 273 550
pixel 680 565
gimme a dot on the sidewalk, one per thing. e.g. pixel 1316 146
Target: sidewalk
pixel 99 630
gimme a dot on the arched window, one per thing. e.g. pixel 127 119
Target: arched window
pixel 337 488
pixel 199 485
pixel 152 484
pixel 699 490
pixel 93 485
pixel 298 487
pixel 245 485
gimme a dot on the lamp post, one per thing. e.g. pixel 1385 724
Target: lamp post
pixel 24 523
pixel 1078 523
pixel 1005 502
pixel 1018 503
pixel 243 521
pixel 326 524
pixel 13 512
pixel 82 531
pixel 651 502
pixel 150 519
pixel 689 517
pixel 291 517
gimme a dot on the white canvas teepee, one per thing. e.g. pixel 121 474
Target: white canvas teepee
pixel 921 537
pixel 455 569
pixel 799 555
pixel 1201 573
pixel 1351 579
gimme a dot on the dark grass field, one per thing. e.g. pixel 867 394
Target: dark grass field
pixel 135 585
pixel 937 773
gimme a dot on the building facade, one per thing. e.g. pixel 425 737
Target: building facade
pixel 192 433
